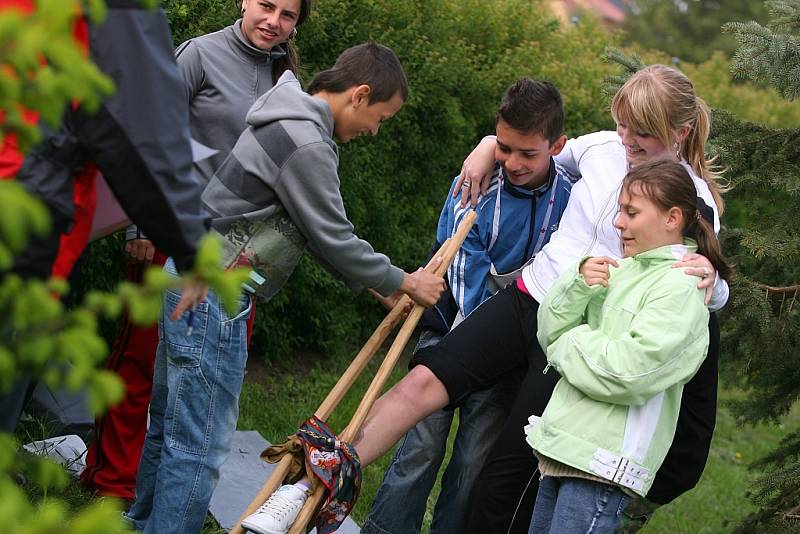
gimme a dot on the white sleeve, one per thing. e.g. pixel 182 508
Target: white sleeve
pixel 721 292
pixel 719 297
pixel 568 159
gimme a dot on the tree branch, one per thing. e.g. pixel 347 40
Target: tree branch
pixel 780 289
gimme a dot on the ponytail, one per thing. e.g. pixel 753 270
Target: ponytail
pixel 694 152
pixel 291 61
pixel 708 244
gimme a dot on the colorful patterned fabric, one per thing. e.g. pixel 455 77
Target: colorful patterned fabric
pixel 336 464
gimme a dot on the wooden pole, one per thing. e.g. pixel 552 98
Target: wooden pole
pixel 336 394
pixel 309 510
pixel 369 349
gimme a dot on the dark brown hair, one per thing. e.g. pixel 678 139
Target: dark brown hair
pixel 533 107
pixel 667 184
pixel 365 64
pixel 291 61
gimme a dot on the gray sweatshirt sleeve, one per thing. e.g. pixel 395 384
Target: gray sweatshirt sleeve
pixel 308 187
pixel 188 57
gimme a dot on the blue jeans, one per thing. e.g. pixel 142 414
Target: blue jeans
pixel 566 505
pixel 193 413
pixel 401 501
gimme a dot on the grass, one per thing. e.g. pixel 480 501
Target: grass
pixel 719 500
pixel 277 398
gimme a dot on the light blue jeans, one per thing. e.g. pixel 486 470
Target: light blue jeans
pixel 401 501
pixel 193 413
pixel 566 505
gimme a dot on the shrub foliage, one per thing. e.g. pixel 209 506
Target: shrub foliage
pixel 459 56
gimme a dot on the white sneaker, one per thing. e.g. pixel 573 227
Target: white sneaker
pixel 279 512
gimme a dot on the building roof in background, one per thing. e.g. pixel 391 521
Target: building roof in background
pixel 611 12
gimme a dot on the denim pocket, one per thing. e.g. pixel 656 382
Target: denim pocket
pixel 180 340
pixel 191 413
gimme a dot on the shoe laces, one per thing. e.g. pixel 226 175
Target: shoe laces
pixel 277 505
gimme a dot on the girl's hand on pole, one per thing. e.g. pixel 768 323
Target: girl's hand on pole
pixel 595 270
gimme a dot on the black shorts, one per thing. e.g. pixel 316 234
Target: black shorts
pixel 496 342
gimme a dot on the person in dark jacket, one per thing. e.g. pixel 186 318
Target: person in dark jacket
pixel 223 74
pixel 139 140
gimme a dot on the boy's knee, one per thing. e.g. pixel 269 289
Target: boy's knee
pixel 421 387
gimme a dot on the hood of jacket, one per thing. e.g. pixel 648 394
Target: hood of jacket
pixel 288 101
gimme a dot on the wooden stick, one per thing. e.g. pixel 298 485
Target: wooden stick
pixel 369 349
pixel 336 394
pixel 309 510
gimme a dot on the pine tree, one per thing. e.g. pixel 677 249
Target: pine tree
pixel 762 326
pixel 688 30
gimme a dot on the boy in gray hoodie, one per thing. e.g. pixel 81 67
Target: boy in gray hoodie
pixel 276 194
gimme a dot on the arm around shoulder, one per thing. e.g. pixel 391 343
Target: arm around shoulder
pixel 720 295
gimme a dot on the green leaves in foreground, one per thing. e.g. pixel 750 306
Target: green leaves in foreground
pixel 42 340
pixel 63 348
pixel 19 218
pixel 43 68
pixel 227 284
pixel 20 516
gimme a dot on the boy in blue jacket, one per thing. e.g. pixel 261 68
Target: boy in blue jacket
pixel 516 217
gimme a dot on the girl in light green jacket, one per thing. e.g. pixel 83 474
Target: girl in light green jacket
pixel 625 337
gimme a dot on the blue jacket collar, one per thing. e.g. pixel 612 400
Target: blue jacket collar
pixel 522 192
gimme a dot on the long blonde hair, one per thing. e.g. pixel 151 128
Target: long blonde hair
pixel 659 101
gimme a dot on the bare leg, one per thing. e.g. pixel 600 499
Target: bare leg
pixel 415 397
pixel 408 402
pixel 412 399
